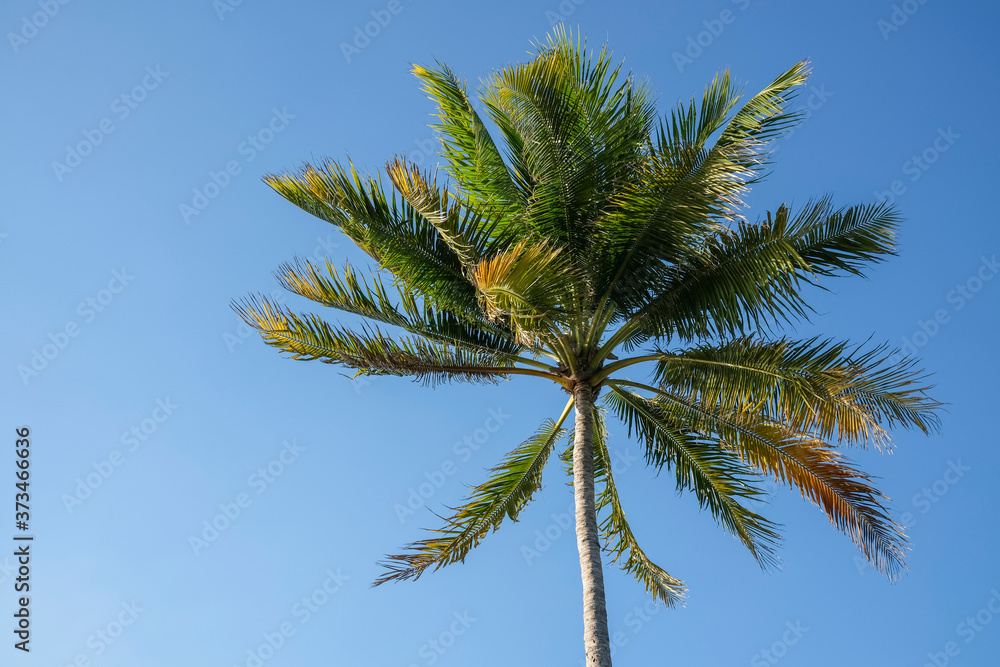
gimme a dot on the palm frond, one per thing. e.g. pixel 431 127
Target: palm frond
pixel 809 464
pixel 816 386
pixel 505 494
pixel 471 156
pixel 743 280
pixel 843 240
pixel 748 279
pixel 718 478
pixel 891 386
pixel 371 352
pixel 764 117
pixel 577 127
pixel 396 305
pixel 390 231
pixel 686 188
pixel 617 534
pixel 468 232
pixel 529 284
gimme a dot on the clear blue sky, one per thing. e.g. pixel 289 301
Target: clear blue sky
pixel 131 292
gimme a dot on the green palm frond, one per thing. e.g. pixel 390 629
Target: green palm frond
pixel 843 240
pixel 743 280
pixel 471 156
pixel 617 534
pixel 581 128
pixel 807 463
pixel 659 219
pixel 764 118
pixel 895 389
pixel 718 478
pixel 748 279
pixel 505 494
pixel 816 386
pixel 685 188
pixel 692 125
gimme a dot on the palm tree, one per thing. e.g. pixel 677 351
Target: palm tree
pixel 594 236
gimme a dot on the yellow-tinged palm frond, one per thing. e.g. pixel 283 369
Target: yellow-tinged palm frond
pixel 533 285
pixel 825 477
pixel 371 352
pixel 470 233
pixel 396 305
pixel 388 229
pixel 505 494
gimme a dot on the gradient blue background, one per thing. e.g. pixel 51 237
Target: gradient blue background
pixel 878 100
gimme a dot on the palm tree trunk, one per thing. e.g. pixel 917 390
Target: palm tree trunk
pixel 596 642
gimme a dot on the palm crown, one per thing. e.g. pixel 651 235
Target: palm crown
pixel 588 234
